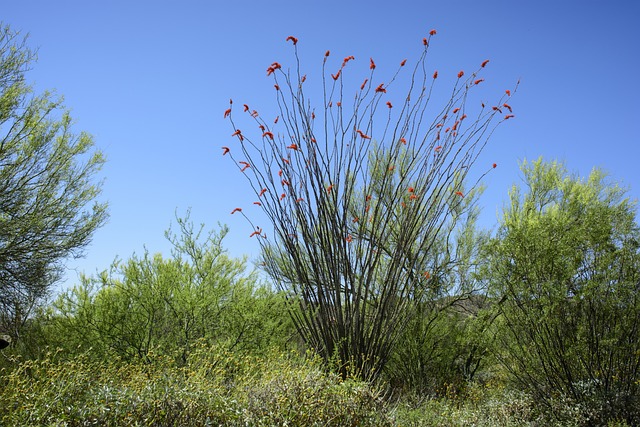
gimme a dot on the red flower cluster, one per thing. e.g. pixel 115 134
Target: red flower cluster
pixel 273 67
pixel 347 59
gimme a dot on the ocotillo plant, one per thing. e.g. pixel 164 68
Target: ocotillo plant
pixel 357 192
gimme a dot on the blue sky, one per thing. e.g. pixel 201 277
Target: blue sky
pixel 151 79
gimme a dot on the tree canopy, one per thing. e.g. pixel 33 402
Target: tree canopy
pixel 566 263
pixel 48 206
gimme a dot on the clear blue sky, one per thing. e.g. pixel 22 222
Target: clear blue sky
pixel 151 79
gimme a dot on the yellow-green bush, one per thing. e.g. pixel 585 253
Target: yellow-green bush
pixel 214 388
pixel 219 388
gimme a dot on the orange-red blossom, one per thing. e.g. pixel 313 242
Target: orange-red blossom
pixel 362 134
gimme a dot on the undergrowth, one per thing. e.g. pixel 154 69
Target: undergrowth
pixel 219 388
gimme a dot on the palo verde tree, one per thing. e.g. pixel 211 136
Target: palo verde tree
pixel 47 196
pixel 357 191
pixel 566 265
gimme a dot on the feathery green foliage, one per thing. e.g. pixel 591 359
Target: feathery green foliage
pixel 152 304
pixel 566 260
pixel 48 211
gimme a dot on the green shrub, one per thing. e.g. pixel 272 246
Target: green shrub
pixel 441 350
pixel 168 304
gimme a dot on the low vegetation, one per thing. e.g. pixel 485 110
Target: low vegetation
pixel 214 387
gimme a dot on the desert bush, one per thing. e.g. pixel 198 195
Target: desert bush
pixel 440 351
pixel 152 303
pixel 294 394
pixel 214 387
pixel 487 404
pixel 357 186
